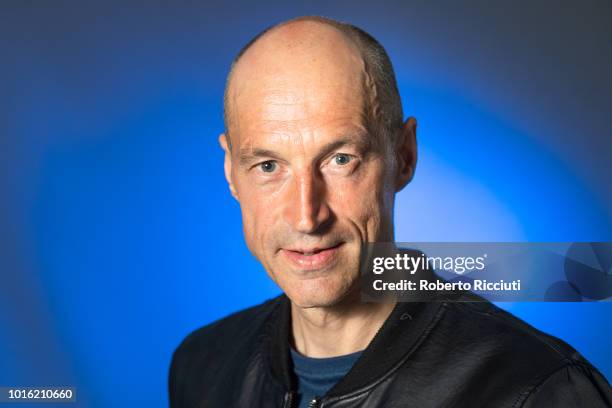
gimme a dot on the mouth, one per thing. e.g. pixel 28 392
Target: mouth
pixel 309 259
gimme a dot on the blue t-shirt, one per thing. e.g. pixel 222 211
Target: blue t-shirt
pixel 316 376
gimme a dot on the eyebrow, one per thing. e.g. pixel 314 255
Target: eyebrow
pixel 250 155
pixel 361 142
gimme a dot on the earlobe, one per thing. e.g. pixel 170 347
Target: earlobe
pixel 227 164
pixel 406 153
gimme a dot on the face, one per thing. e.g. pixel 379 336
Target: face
pixel 314 186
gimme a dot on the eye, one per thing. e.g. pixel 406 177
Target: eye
pixel 342 159
pixel 268 166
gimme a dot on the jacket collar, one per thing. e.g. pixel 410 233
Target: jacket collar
pixel 397 338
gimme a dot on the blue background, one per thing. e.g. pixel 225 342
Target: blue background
pixel 118 235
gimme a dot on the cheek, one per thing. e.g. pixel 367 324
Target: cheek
pixel 257 217
pixel 360 197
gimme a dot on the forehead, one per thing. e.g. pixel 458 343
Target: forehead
pixel 308 80
pixel 287 108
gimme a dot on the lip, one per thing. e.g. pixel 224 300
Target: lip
pixel 310 259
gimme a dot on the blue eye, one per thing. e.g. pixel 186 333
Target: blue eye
pixel 342 159
pixel 268 166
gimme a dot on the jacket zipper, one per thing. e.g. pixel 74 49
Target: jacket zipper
pixel 290 398
pixel 314 403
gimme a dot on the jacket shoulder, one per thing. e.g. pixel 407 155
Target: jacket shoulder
pixel 528 361
pixel 204 353
pixel 515 336
pixel 233 326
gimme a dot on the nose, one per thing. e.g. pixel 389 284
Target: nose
pixel 307 210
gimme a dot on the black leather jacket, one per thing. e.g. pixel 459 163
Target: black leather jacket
pixel 438 354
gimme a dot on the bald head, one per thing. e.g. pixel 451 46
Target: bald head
pixel 314 56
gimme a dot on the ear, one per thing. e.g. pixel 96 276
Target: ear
pixel 406 153
pixel 227 164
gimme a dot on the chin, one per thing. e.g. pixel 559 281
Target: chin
pixel 317 293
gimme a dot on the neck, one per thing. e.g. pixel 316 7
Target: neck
pixel 337 330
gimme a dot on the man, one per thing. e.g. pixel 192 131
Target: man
pixel 315 149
